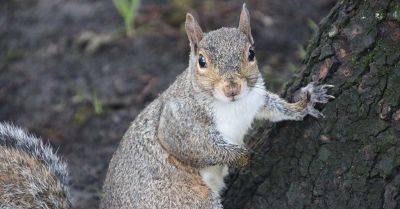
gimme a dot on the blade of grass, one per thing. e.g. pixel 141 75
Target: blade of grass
pixel 97 104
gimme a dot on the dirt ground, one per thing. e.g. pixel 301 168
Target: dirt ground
pixel 82 99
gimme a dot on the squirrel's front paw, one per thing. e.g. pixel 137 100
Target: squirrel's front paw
pixel 316 94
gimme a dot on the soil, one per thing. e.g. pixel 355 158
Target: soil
pixel 83 100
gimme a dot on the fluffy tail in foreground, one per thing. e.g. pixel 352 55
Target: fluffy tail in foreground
pixel 31 174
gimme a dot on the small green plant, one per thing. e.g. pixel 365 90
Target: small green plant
pixel 312 24
pixel 97 104
pixel 128 10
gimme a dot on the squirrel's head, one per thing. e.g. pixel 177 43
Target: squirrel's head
pixel 223 60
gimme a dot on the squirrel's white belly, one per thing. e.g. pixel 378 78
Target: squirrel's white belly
pixel 233 120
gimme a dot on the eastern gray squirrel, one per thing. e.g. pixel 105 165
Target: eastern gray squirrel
pixel 177 151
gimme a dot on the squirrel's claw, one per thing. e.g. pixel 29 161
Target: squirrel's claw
pixel 327 86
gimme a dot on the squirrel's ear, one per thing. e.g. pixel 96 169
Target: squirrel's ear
pixel 193 31
pixel 244 23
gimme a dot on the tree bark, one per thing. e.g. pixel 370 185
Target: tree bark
pixel 351 158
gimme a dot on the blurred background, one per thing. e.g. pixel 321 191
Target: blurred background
pixel 73 72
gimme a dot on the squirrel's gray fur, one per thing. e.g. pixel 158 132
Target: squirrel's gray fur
pixel 31 174
pixel 174 154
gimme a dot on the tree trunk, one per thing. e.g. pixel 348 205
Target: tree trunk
pixel 351 158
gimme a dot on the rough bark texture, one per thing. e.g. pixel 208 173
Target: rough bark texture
pixel 351 158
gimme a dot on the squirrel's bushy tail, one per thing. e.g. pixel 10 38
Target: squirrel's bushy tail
pixel 31 174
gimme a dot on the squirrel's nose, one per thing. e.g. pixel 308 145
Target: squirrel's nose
pixel 231 90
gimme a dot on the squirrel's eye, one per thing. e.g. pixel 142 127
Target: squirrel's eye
pixel 202 61
pixel 251 55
